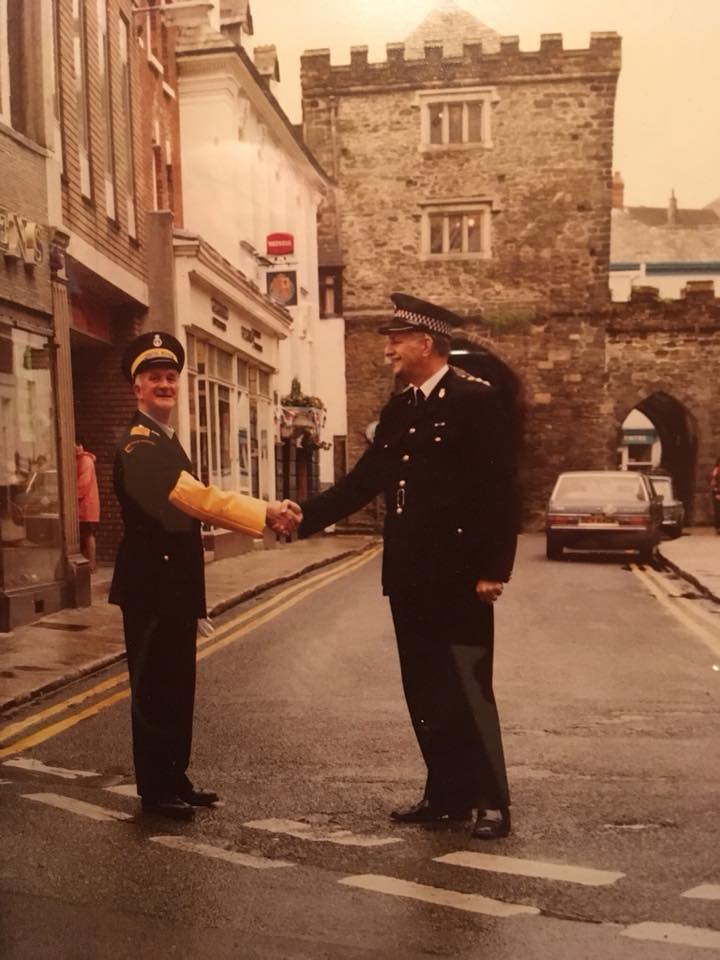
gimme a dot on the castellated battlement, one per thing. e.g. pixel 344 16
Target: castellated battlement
pixel 509 63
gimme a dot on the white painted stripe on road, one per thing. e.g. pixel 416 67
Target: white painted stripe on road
pixel 706 891
pixel 470 902
pixel 218 853
pixel 309 831
pixel 124 790
pixel 684 611
pixel 674 933
pixel 37 766
pixel 79 807
pixel 587 876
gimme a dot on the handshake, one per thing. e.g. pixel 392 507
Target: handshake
pixel 284 517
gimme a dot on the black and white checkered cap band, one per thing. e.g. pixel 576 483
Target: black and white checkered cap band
pixel 419 319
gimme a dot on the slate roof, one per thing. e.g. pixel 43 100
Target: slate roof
pixel 454 26
pixel 643 235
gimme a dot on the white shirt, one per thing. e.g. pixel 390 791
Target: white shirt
pixel 166 428
pixel 429 385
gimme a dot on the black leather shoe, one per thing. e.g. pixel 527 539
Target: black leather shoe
pixel 487 829
pixel 426 812
pixel 200 798
pixel 173 807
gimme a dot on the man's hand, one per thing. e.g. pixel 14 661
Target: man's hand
pixel 488 590
pixel 284 517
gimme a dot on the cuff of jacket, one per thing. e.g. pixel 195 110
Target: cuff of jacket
pixel 223 508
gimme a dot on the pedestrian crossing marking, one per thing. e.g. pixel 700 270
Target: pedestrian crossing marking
pixel 308 831
pixel 530 868
pixel 706 891
pixel 470 902
pixel 674 933
pixel 79 807
pixel 124 790
pixel 218 853
pixel 37 766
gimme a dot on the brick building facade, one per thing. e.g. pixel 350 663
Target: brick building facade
pixel 482 180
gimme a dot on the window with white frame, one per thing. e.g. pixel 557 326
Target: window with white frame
pixel 457 229
pixel 127 119
pixel 4 65
pixel 105 71
pixel 457 118
pixel 81 94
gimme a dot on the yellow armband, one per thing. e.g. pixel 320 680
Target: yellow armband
pixel 223 508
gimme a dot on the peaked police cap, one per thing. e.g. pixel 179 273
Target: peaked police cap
pixel 412 313
pixel 153 349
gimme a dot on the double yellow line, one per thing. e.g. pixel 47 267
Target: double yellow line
pixel 705 626
pixel 230 632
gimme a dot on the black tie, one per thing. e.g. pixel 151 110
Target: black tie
pixel 419 397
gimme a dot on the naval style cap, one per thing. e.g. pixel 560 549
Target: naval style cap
pixel 414 314
pixel 153 349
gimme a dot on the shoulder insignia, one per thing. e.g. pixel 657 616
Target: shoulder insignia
pixel 140 431
pixel 138 442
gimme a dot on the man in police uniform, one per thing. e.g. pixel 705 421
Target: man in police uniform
pixel 159 579
pixel 442 455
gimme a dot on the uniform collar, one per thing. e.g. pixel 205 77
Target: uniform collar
pixel 430 384
pixel 166 429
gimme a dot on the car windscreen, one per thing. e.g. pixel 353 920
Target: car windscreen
pixel 612 489
pixel 662 487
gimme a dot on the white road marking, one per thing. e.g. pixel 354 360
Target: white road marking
pixel 673 933
pixel 471 902
pixel 706 891
pixel 308 831
pixel 79 807
pixel 124 790
pixel 37 766
pixel 530 868
pixel 218 853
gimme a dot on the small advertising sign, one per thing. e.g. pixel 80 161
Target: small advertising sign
pixel 282 286
pixel 280 244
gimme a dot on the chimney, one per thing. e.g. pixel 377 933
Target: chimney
pixel 267 64
pixel 618 191
pixel 672 210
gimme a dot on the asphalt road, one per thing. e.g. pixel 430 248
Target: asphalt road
pixel 610 714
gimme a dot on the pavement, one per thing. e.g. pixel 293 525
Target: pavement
pixel 69 644
pixel 64 646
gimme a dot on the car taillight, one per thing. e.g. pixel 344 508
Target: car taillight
pixel 634 520
pixel 555 518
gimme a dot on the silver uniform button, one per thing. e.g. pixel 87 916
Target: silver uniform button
pixel 166 557
pixel 401 483
pixel 438 439
pixel 406 457
pixel 412 430
pixel 459 529
pixel 399 510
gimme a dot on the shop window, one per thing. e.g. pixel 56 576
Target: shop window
pixel 30 531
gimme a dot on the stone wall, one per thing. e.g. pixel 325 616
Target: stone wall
pixel 546 170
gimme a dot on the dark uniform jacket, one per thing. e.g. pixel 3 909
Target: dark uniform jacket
pixel 159 566
pixel 447 472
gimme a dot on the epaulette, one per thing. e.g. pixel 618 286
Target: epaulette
pixel 140 431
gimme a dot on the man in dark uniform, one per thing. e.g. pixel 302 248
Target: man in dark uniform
pixel 159 579
pixel 443 456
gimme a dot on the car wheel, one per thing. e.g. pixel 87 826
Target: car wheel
pixel 553 547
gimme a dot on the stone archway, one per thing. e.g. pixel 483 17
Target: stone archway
pixel 677 431
pixel 474 357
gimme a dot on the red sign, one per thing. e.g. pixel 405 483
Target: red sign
pixel 280 244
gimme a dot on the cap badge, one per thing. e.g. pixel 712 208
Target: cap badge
pixel 157 340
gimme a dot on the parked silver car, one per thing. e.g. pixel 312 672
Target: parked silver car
pixel 673 509
pixel 603 510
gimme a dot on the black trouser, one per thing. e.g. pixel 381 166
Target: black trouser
pixel 161 661
pixel 445 645
pixel 716 511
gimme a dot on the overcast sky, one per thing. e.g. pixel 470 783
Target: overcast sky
pixel 667 120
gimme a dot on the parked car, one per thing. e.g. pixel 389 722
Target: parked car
pixel 603 510
pixel 673 509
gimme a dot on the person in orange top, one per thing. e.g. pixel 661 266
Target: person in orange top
pixel 88 500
